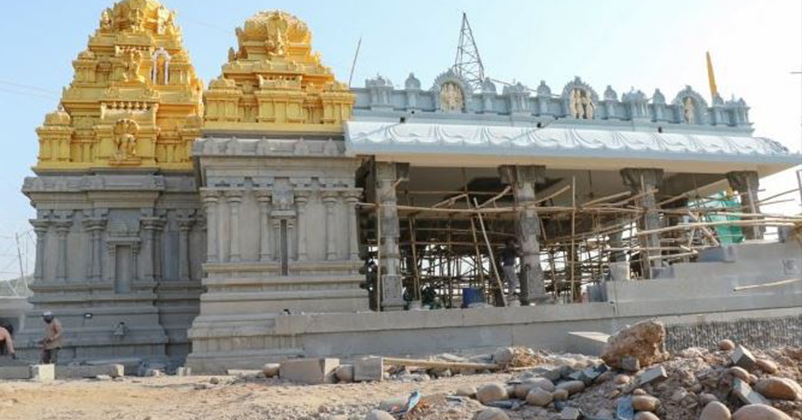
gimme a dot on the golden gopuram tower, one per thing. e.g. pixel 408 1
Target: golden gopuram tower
pixel 120 240
pixel 135 100
pixel 275 82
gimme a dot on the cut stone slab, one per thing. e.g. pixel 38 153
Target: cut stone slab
pixel 589 343
pixel 43 373
pixel 745 394
pixel 130 364
pixel 309 371
pixel 370 368
pixel 15 372
pixel 87 371
pixel 743 358
pixel 653 375
pixel 624 410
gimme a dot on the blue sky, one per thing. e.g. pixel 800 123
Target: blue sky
pixel 623 43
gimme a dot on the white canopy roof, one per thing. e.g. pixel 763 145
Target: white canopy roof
pixel 434 144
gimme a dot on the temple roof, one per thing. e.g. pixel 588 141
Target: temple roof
pixel 274 82
pixel 431 144
pixel 135 100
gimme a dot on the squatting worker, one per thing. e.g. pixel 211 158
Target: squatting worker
pixel 7 341
pixel 52 341
pixel 508 256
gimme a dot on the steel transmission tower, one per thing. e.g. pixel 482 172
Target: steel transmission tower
pixel 468 63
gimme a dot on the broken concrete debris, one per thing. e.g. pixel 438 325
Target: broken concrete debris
pixel 742 357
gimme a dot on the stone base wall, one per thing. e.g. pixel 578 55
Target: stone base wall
pixel 752 333
pixel 118 261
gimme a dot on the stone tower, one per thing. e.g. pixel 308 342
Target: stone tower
pixel 120 238
pixel 279 196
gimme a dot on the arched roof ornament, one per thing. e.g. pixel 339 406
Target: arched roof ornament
pixel 689 92
pixel 691 105
pixel 488 86
pixel 610 94
pixel 577 83
pixel 543 90
pixel 447 78
pixel 412 82
pixel 583 107
pixel 658 97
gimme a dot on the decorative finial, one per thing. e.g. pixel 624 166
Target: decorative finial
pixel 711 77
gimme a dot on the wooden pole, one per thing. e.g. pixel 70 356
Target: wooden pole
pixel 378 258
pixel 492 258
pixel 573 239
pixel 413 245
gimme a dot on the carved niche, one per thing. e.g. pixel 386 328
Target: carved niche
pixel 125 132
pixel 580 100
pixel 451 98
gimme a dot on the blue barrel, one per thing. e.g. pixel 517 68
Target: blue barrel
pixel 471 295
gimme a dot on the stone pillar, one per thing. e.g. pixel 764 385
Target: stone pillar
pixel 95 229
pixel 146 272
pixel 527 226
pixel 210 199
pixel 645 182
pixel 40 227
pixel 391 286
pixel 234 199
pixel 352 198
pixel 329 200
pixel 301 198
pixel 747 183
pixel 158 249
pixel 265 250
pixel 184 228
pixel 62 230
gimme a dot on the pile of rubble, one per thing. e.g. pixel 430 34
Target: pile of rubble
pixel 639 380
pixel 635 379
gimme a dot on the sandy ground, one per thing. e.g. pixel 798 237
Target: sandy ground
pixel 197 398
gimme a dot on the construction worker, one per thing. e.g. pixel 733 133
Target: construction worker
pixel 51 344
pixel 508 256
pixel 7 341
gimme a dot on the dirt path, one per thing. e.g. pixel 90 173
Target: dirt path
pixel 197 398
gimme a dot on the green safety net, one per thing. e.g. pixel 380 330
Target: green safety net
pixel 727 234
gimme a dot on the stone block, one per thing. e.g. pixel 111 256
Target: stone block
pixel 744 393
pixel 15 372
pixel 369 368
pixel 87 371
pixel 652 376
pixel 309 371
pixel 43 373
pixel 589 343
pixel 742 357
pixel 570 413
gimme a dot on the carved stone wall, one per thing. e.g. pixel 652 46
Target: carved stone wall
pixel 282 229
pixel 116 248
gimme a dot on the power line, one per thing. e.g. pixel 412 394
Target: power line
pixel 32 95
pixel 20 85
